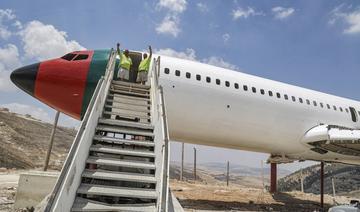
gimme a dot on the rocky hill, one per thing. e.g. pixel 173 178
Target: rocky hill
pixel 346 179
pixel 24 142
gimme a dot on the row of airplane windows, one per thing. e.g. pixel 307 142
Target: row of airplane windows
pixel 262 91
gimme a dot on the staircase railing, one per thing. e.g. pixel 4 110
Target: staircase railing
pixel 64 191
pixel 159 122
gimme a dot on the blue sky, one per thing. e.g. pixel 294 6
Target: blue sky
pixel 313 44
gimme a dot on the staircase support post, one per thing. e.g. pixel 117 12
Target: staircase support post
pixel 273 178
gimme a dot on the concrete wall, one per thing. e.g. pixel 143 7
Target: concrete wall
pixel 33 187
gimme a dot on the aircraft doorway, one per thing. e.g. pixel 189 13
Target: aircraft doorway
pixel 354 116
pixel 136 58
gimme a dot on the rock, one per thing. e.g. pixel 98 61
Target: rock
pixel 4 109
pixel 3 169
pixel 2 124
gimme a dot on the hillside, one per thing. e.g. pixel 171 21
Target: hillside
pixel 24 142
pixel 346 178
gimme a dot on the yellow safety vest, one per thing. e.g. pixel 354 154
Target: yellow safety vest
pixel 125 62
pixel 144 64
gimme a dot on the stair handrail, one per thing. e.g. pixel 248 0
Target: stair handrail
pixel 159 119
pixel 59 183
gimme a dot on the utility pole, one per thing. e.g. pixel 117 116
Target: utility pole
pixel 194 163
pixel 301 180
pixel 182 163
pixel 262 175
pixel 227 173
pixel 51 141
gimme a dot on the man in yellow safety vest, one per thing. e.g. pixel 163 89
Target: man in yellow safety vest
pixel 125 64
pixel 144 68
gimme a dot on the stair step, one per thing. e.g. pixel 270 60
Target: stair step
pixel 124 141
pixel 129 88
pixel 135 85
pixel 121 163
pixel 120 151
pixel 143 109
pixel 130 93
pixel 128 102
pixel 113 191
pixel 129 97
pixel 123 130
pixel 125 115
pixel 119 176
pixel 82 204
pixel 126 123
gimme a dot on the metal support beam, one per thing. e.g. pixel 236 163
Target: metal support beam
pixel 322 185
pixel 273 178
pixel 182 162
pixel 227 173
pixel 51 141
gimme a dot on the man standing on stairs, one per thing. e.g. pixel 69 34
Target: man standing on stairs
pixel 124 65
pixel 144 68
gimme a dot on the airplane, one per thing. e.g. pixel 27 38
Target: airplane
pixel 213 106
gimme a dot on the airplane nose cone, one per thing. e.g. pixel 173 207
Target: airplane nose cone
pixel 25 78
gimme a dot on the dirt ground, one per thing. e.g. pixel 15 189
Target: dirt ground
pixel 204 197
pixel 8 185
pixel 207 197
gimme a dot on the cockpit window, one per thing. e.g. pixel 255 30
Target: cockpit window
pixel 81 57
pixel 68 57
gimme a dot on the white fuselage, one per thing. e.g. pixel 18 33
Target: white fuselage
pixel 206 113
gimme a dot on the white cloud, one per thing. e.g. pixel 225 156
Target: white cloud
pixel 282 13
pixel 176 6
pixel 190 54
pixel 45 41
pixel 35 112
pixel 245 13
pixel 169 25
pixel 218 61
pixel 225 37
pixel 350 18
pixel 9 60
pixel 5 16
pixel 202 7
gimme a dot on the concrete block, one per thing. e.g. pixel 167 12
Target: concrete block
pixel 33 187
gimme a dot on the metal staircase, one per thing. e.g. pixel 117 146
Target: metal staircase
pixel 119 159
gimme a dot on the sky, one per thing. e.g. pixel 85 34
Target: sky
pixel 312 44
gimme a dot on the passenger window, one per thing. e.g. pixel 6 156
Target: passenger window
pixel 68 57
pixel 328 106
pixel 262 91
pixel 177 73
pixel 227 83
pixel 208 79
pixel 341 110
pixel 167 71
pixel 188 75
pixel 293 98
pixel 314 102
pixel 198 77
pixel 346 110
pixel 354 116
pixel 321 104
pixel 334 107
pixel 236 86
pixel 81 57
pixel 278 95
pixel 300 100
pixel 245 87
pixel 253 89
pixel 270 93
pixel 217 81
pixel 359 113
pixel 308 102
pixel 286 96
